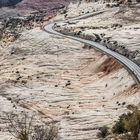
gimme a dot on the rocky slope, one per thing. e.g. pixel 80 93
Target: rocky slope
pixel 116 28
pixel 32 3
pixel 41 5
pixel 9 2
pixel 63 81
pixel 25 7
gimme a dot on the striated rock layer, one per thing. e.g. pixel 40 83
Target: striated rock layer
pixel 64 81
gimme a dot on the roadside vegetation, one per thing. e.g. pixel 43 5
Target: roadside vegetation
pixel 126 128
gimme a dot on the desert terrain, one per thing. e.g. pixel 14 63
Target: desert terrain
pixel 63 81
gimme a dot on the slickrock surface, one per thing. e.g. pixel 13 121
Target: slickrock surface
pixel 63 80
pixel 84 8
pixel 118 29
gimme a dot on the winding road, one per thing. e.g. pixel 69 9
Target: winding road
pixel 129 64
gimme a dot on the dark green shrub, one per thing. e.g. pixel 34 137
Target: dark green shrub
pixel 133 124
pixel 119 126
pixel 129 122
pixel 103 132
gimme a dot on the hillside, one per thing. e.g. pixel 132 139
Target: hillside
pixel 61 81
pixel 9 2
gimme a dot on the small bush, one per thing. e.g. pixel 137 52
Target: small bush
pixel 103 132
pixel 119 127
pixel 45 133
pixel 23 135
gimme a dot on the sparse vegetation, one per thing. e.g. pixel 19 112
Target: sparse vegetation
pixel 128 123
pixel 103 132
pixel 25 128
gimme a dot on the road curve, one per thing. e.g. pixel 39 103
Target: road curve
pixel 129 64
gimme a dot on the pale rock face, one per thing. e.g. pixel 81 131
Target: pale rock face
pixel 65 81
pixel 60 80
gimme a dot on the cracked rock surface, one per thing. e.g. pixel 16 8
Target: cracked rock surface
pixel 65 81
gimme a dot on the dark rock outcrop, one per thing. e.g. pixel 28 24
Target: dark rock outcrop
pixel 4 3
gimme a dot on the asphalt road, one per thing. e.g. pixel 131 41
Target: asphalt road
pixel 130 65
